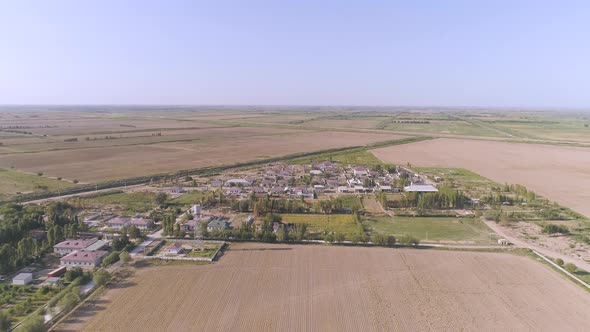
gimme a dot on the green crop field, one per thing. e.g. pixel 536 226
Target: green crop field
pixel 446 230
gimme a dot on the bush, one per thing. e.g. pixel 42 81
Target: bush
pixel 329 238
pixel 40 173
pixel 379 239
pixel 72 274
pixel 124 257
pixel 409 240
pixel 571 268
pixel 559 262
pixel 494 215
pixel 75 181
pixel 102 277
pixel 391 240
pixel 553 229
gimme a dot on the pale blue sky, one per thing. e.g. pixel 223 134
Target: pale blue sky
pixel 433 53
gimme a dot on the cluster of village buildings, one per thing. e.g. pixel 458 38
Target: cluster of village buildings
pixel 318 178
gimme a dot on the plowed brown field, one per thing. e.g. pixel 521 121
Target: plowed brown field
pixel 559 173
pixel 258 287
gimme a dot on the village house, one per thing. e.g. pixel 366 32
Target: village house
pixel 83 259
pixel 175 248
pixel 118 222
pixel 142 224
pixel 69 246
pixel 235 191
pixel 217 225
pixel 189 226
pixel 277 191
pixel 216 183
pixel 237 182
pixel 360 171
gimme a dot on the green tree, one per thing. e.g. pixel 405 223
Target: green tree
pixel 559 262
pixel 33 324
pixel 69 301
pixel 72 274
pixel 102 277
pixel 134 232
pixel 161 198
pixel 4 321
pixel 111 258
pixel 125 257
pixel 282 234
pixel 203 229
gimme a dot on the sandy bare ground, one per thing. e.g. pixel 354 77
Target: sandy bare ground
pixel 257 287
pixel 557 172
pixel 528 235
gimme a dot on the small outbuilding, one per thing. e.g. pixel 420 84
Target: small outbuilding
pixel 22 279
pixel 175 248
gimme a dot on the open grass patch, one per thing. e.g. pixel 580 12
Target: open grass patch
pixel 325 223
pixel 128 203
pixel 451 230
pixel 13 182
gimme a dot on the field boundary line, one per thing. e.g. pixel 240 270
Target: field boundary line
pixel 562 270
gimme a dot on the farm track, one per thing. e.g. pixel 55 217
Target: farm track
pixel 279 287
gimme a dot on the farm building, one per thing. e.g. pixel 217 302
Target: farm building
pixel 83 259
pixel 98 245
pixel 421 188
pixel 69 246
pixel 175 248
pixel 22 279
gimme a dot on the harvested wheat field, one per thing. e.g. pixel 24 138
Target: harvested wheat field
pixel 90 164
pixel 260 287
pixel 559 173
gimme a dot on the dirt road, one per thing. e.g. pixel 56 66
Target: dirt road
pixel 542 250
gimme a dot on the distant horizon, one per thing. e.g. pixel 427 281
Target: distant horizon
pixel 294 106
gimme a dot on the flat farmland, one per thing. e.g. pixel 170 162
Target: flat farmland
pixel 559 173
pixel 259 287
pixel 202 148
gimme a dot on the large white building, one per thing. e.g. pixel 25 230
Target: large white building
pixel 83 259
pixel 69 246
